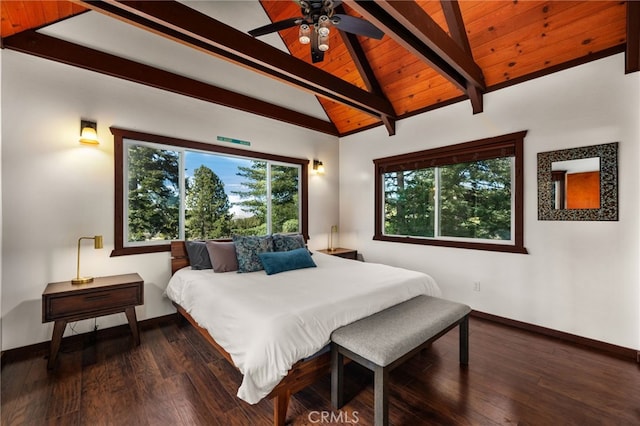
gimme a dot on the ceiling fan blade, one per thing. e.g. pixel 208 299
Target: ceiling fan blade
pixel 351 24
pixel 275 26
pixel 316 55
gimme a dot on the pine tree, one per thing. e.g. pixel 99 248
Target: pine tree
pixel 207 206
pixel 153 200
pixel 284 197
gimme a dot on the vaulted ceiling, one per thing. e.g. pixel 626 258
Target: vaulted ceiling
pixel 433 53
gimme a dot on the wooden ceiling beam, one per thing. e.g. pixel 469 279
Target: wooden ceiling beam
pixel 363 66
pixel 632 52
pixel 189 27
pixel 455 23
pixel 411 27
pixel 51 48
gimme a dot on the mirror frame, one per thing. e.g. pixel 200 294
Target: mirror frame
pixel 608 210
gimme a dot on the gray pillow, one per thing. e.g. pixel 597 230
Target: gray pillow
pixel 198 255
pixel 223 256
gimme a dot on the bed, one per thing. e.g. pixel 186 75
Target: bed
pixel 273 328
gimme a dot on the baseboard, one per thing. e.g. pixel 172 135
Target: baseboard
pixel 77 339
pixel 111 332
pixel 618 351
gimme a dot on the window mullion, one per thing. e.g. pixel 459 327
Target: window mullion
pixel 436 208
pixel 125 194
pixel 268 200
pixel 183 195
pixel 513 198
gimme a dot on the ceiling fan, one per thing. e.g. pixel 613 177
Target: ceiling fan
pixel 318 16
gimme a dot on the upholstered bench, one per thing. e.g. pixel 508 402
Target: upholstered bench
pixel 385 340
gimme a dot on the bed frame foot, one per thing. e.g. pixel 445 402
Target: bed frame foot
pixel 280 406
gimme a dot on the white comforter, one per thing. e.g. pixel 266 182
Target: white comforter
pixel 269 322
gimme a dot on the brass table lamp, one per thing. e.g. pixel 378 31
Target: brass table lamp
pixel 334 228
pixel 97 244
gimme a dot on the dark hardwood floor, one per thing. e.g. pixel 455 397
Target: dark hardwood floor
pixel 175 378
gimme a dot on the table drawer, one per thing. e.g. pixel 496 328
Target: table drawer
pixel 90 303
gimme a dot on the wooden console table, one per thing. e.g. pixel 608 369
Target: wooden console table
pixel 64 302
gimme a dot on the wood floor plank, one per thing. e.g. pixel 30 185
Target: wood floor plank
pixel 175 378
pixel 94 407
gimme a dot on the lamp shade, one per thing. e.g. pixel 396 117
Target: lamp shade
pixel 97 242
pixel 89 132
pixel 89 136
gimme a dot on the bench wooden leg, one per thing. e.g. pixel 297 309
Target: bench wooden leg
pixel 464 341
pixel 337 377
pixel 381 396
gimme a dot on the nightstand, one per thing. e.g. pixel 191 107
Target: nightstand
pixel 64 302
pixel 342 252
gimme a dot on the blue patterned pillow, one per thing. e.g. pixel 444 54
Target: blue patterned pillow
pixel 281 261
pixel 283 242
pixel 198 255
pixel 247 250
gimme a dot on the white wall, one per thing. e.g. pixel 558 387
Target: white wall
pixel 54 190
pixel 579 277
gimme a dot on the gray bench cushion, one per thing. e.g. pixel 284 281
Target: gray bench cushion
pixel 386 336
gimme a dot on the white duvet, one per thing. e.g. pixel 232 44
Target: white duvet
pixel 269 322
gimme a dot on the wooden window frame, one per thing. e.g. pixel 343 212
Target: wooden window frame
pixel 120 134
pixel 482 149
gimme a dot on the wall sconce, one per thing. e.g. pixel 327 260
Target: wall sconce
pixel 318 167
pixel 97 244
pixel 89 132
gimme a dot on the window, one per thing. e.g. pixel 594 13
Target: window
pixel 171 189
pixel 467 195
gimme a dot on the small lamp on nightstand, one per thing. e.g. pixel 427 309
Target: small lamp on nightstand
pixel 97 244
pixel 334 228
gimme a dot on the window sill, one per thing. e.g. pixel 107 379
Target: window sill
pixel 504 248
pixel 125 251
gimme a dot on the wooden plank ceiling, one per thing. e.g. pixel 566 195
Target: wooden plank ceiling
pixel 362 82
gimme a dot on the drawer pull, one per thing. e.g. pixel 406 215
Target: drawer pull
pixel 98 297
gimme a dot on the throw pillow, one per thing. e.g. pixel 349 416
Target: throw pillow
pixel 198 255
pixel 284 242
pixel 247 250
pixel 223 256
pixel 280 261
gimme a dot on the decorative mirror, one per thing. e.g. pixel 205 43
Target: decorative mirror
pixel 579 183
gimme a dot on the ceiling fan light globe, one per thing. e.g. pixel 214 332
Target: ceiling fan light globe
pixel 323 26
pixel 304 34
pixel 323 43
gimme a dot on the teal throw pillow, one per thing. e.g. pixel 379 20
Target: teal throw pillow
pixel 280 261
